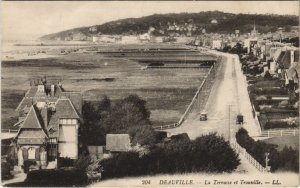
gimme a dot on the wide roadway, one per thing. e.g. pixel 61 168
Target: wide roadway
pixel 221 107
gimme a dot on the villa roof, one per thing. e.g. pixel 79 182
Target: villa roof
pixel 33 124
pixel 65 109
pixel 31 120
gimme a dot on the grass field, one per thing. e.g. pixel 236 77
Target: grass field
pixel 167 92
pixel 9 102
pixel 290 141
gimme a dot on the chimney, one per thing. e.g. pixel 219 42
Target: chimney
pixel 52 90
pixel 292 56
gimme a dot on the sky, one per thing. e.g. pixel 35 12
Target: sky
pixel 30 20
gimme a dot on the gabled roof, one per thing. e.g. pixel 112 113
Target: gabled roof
pixel 76 99
pixel 32 130
pixel 65 109
pixel 25 102
pixel 117 142
pixel 31 120
pixel 32 96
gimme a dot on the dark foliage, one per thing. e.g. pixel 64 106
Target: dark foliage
pixel 128 115
pixel 287 159
pixel 64 162
pixel 27 164
pixel 5 171
pixel 294 41
pixel 82 162
pixel 54 178
pixel 280 124
pixel 209 153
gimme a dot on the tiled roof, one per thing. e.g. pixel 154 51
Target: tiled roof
pixel 32 91
pixel 25 102
pixel 32 121
pixel 33 96
pixel 76 99
pixel 65 109
pixel 117 142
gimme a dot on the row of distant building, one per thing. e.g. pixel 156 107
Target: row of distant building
pixel 214 40
pixel 220 41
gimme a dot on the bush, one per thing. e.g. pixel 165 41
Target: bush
pixel 280 124
pixel 209 153
pixel 5 171
pixel 64 162
pixel 287 159
pixel 27 164
pixel 56 177
pixel 82 162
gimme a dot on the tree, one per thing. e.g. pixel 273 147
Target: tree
pixel 91 132
pixel 218 153
pixel 287 159
pixel 143 135
pixel 128 115
pixel 129 112
pixel 209 153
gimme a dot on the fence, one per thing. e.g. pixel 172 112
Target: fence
pixel 241 150
pixel 197 103
pixel 280 132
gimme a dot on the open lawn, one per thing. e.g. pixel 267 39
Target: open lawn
pixel 290 141
pixel 9 102
pixel 168 92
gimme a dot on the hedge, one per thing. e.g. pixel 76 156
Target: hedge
pixel 208 153
pixel 64 162
pixel 5 171
pixel 280 124
pixel 287 159
pixel 56 177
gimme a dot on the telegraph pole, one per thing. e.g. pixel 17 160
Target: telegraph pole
pixel 229 123
pixel 267 161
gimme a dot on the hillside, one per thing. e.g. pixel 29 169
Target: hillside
pixel 164 24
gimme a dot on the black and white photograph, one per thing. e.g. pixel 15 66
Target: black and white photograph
pixel 150 93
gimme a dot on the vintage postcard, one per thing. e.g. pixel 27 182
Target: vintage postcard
pixel 149 93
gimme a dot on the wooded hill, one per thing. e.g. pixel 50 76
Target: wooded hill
pixel 226 23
